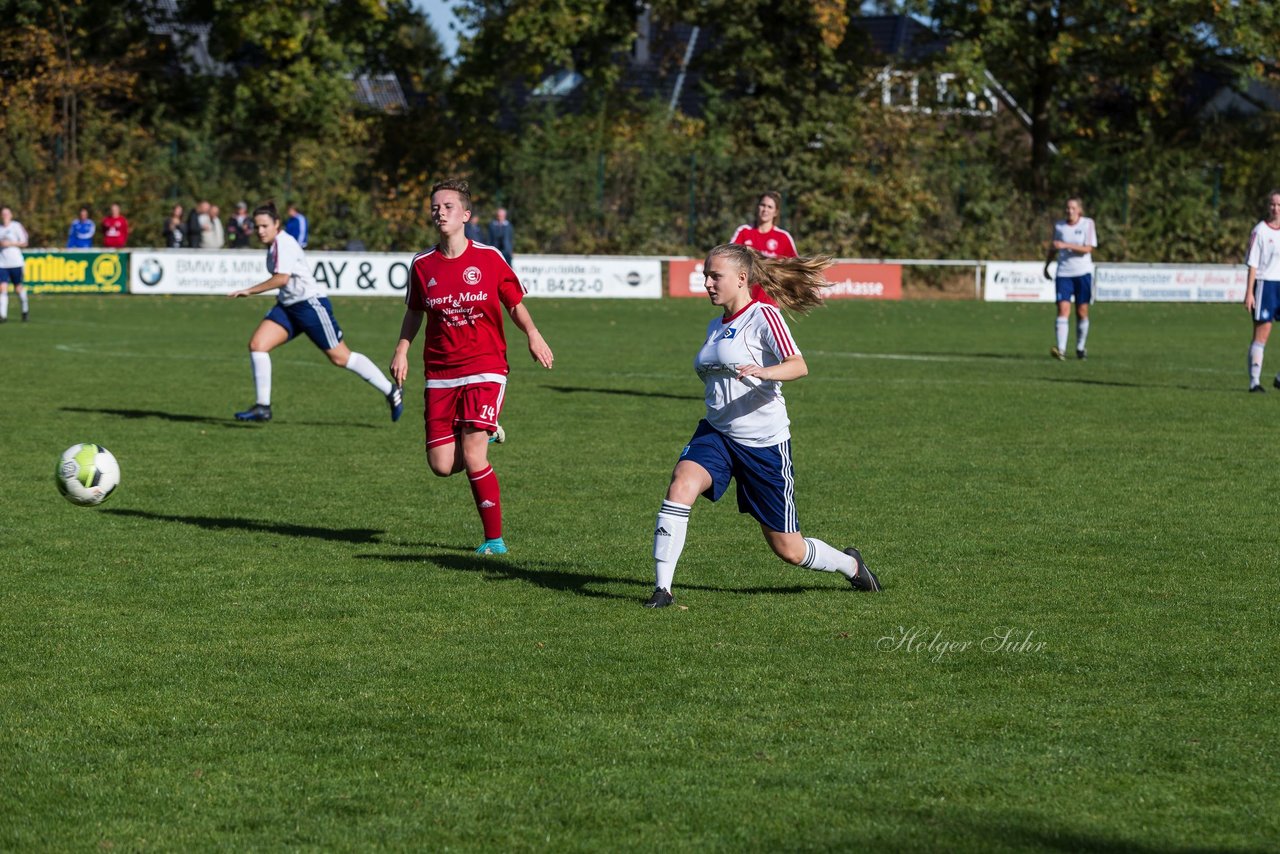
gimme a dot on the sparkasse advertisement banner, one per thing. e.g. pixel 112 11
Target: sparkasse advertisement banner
pixel 1171 282
pixel 177 271
pixel 847 280
pixel 75 272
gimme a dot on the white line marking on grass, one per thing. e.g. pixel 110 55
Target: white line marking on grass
pixel 901 357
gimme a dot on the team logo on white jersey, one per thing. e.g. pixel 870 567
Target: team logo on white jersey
pixel 729 333
pixel 471 275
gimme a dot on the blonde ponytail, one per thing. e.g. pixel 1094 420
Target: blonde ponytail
pixel 794 283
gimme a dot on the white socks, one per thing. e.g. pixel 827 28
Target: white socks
pixel 261 376
pixel 4 304
pixel 1082 332
pixel 368 371
pixel 1255 363
pixel 668 541
pixel 824 558
pixel 1060 329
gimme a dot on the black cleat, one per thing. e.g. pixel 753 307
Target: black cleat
pixel 1082 354
pixel 257 412
pixel 1057 354
pixel 1276 382
pixel 863 579
pixel 395 399
pixel 661 598
pixel 25 316
pixel 1257 389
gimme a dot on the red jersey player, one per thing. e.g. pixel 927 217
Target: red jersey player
pixel 765 237
pixel 462 287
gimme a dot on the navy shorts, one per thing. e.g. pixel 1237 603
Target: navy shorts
pixel 10 275
pixel 1078 287
pixel 313 316
pixel 766 481
pixel 1266 297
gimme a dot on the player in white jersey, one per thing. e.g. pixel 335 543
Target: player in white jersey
pixel 301 306
pixel 1262 291
pixel 13 238
pixel 746 436
pixel 1074 240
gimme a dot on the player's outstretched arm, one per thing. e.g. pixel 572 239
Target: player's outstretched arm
pixel 400 358
pixel 279 280
pixel 538 348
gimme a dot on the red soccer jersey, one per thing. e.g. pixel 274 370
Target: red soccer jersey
pixel 774 243
pixel 463 299
pixel 115 232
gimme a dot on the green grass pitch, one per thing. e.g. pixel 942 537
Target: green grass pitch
pixel 276 636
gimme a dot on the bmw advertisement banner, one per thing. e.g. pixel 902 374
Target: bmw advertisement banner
pixel 178 271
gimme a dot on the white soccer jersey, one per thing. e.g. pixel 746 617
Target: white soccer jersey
pixel 750 411
pixel 285 256
pixel 11 256
pixel 1263 254
pixel 1083 233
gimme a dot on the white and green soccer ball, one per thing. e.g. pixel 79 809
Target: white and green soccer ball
pixel 87 474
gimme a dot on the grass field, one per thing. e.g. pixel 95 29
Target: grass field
pixel 275 636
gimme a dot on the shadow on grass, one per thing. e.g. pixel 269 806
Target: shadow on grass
pixel 179 417
pixel 1121 384
pixel 553 576
pixel 1038 833
pixel 570 389
pixel 225 523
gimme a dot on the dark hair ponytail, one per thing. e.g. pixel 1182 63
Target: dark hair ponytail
pixel 269 208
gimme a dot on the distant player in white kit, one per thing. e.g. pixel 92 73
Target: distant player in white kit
pixel 1262 292
pixel 13 238
pixel 1074 240
pixel 746 435
pixel 301 307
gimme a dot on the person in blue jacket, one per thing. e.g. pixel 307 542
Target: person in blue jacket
pixel 80 235
pixel 296 226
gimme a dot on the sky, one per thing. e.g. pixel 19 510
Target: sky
pixel 440 12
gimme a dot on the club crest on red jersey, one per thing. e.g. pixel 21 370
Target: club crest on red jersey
pixel 771 244
pixel 471 275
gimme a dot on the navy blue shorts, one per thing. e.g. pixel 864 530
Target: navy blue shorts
pixel 1078 287
pixel 766 481
pixel 1266 298
pixel 313 316
pixel 10 275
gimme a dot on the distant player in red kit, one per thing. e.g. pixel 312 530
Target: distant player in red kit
pixel 462 287
pixel 766 238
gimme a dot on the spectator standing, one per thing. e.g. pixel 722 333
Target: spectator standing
pixel 216 236
pixel 240 227
pixel 13 238
pixel 502 235
pixel 473 232
pixel 115 229
pixel 197 222
pixel 296 226
pixel 174 233
pixel 80 234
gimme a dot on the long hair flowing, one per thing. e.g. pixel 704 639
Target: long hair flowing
pixel 794 283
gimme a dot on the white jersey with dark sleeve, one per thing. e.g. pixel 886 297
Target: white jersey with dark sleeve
pixel 284 255
pixel 750 411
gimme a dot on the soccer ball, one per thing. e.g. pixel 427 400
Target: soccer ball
pixel 87 474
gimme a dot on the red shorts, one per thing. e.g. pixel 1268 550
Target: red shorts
pixel 474 405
